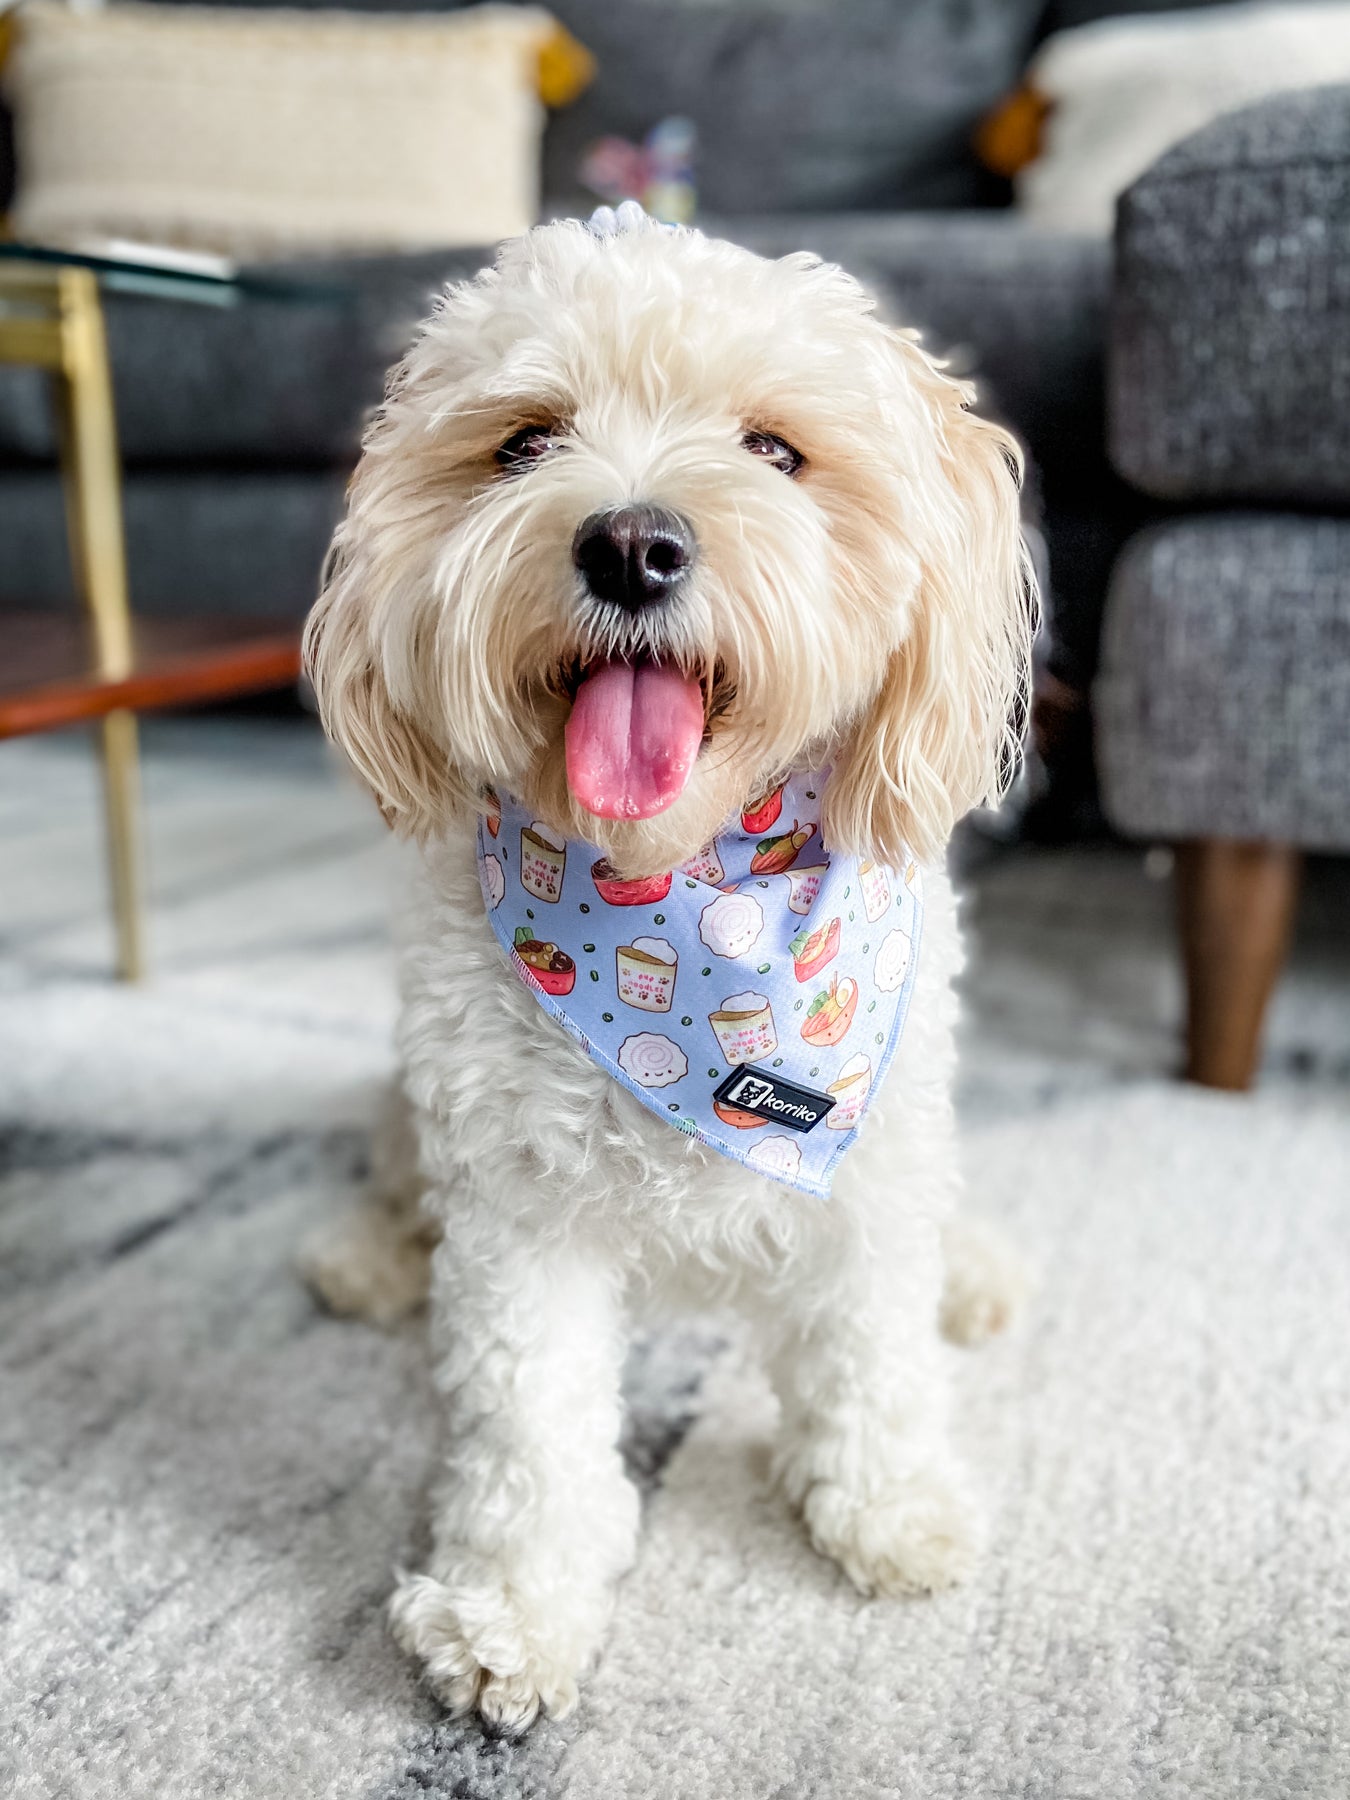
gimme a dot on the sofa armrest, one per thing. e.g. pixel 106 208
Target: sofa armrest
pixel 1229 352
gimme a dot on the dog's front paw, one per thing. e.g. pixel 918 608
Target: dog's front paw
pixel 478 1652
pixel 914 1537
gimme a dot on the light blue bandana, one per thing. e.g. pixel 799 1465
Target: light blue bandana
pixel 752 998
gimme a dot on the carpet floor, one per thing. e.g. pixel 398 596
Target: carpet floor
pixel 205 1483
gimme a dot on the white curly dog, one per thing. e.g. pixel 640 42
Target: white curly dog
pixel 849 588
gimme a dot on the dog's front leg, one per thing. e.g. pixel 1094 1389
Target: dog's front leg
pixel 534 1518
pixel 860 1371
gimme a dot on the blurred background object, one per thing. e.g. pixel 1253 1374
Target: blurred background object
pixel 658 173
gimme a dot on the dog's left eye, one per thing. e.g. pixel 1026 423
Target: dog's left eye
pixel 775 450
pixel 525 446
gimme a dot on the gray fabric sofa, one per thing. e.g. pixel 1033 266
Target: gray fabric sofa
pixel 239 427
pixel 1223 698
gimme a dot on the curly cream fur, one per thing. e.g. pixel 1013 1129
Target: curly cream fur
pixel 873 614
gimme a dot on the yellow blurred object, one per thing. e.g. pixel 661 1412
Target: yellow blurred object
pixel 1013 135
pixel 565 67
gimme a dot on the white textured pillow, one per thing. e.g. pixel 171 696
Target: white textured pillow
pixel 1123 90
pixel 268 132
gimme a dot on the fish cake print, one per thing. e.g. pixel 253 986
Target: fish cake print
pixel 731 925
pixel 652 1059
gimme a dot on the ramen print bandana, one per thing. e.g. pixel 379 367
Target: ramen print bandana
pixel 752 998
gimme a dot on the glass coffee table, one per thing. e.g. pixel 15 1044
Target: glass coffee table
pixel 106 665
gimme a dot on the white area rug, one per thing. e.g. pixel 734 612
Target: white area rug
pixel 1165 1608
pixel 204 1483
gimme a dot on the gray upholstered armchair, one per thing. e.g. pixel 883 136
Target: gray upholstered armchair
pixel 1223 698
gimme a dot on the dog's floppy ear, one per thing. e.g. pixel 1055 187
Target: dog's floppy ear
pixel 942 733
pixel 411 777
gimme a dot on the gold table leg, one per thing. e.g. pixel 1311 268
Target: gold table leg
pixel 51 319
pixel 90 472
pixel 121 807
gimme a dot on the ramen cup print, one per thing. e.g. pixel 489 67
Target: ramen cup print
pixel 804 886
pixel 706 866
pixel 849 1092
pixel 731 924
pixel 651 1060
pixel 776 1155
pixel 876 890
pixel 892 964
pixel 494 880
pixel 744 1028
pixel 542 862
pixel 646 973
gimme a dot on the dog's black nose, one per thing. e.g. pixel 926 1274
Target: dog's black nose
pixel 633 555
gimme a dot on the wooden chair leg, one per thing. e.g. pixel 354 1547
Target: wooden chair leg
pixel 1236 905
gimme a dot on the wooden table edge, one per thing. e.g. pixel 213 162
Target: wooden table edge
pixel 249 667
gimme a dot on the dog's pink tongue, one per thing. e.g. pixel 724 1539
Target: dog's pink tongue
pixel 632 738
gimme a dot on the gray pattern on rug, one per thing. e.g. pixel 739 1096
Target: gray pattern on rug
pixel 205 1483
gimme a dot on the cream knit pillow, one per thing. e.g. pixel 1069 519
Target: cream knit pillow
pixel 1123 90
pixel 268 132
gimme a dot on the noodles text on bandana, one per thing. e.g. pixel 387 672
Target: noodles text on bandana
pixel 752 998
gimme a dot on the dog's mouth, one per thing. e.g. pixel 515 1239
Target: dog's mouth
pixel 635 731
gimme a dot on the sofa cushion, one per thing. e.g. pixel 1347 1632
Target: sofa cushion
pixel 223 412
pixel 247 543
pixel 1229 368
pixel 821 103
pixel 270 382
pixel 261 382
pixel 1022 311
pixel 1223 702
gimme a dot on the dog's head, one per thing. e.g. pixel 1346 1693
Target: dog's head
pixel 646 521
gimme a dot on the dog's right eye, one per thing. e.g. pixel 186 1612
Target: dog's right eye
pixel 525 446
pixel 770 448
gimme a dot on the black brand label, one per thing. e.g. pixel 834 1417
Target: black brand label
pixel 768 1097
